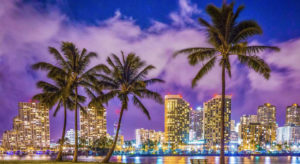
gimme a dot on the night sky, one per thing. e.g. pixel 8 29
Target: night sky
pixel 154 30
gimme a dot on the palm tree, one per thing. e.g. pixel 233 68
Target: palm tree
pixel 126 79
pixel 227 37
pixel 53 94
pixel 74 67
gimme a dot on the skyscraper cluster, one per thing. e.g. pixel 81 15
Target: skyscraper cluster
pixel 30 129
pixel 184 126
pixel 31 132
pixel 144 135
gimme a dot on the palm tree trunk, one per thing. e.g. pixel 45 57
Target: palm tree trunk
pixel 222 158
pixel 109 154
pixel 59 155
pixel 76 128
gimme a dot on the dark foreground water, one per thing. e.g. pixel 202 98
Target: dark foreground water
pixel 171 159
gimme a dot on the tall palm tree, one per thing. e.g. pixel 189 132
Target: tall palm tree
pixel 127 78
pixel 75 68
pixel 53 94
pixel 227 37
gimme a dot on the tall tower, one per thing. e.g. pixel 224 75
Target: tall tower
pixel 212 121
pixel 176 120
pixel 30 128
pixel 293 115
pixel 266 115
pixel 93 124
pixel 196 124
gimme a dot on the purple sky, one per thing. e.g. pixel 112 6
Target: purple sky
pixel 26 33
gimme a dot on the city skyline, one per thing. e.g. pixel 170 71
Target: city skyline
pixel 161 30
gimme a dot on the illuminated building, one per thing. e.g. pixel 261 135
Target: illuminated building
pixel 176 120
pixel 92 124
pixel 196 124
pixel 120 142
pixel 232 125
pixel 288 135
pixel 143 135
pixel 266 116
pixel 234 136
pixel 257 132
pixel 212 121
pixel 30 129
pixel 293 115
pixel 251 135
pixel 70 135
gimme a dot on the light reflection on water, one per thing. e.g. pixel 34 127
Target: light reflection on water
pixel 168 159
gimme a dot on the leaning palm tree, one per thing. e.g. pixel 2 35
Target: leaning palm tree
pixel 126 78
pixel 53 94
pixel 75 68
pixel 227 37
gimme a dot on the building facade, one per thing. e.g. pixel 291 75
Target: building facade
pixel 143 135
pixel 252 136
pixel 176 120
pixel 293 115
pixel 289 135
pixel 212 121
pixel 232 125
pixel 92 124
pixel 196 124
pixel 30 130
pixel 266 116
pixel 70 135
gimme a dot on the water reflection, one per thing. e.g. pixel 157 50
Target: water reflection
pixel 124 159
pixel 159 160
pixel 295 160
pixel 232 160
pixel 137 160
pixel 267 160
pixel 167 159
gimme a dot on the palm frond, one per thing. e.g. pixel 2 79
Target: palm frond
pixel 153 80
pixel 204 70
pixel 57 108
pixel 257 64
pixel 244 30
pixel 145 93
pixel 140 105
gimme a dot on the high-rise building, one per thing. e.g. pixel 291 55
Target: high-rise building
pixel 258 131
pixel 232 125
pixel 293 115
pixel 30 129
pixel 251 135
pixel 288 135
pixel 92 124
pixel 196 124
pixel 212 121
pixel 266 116
pixel 70 135
pixel 143 135
pixel 176 120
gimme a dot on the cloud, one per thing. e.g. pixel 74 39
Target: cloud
pixel 26 33
pixel 185 13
